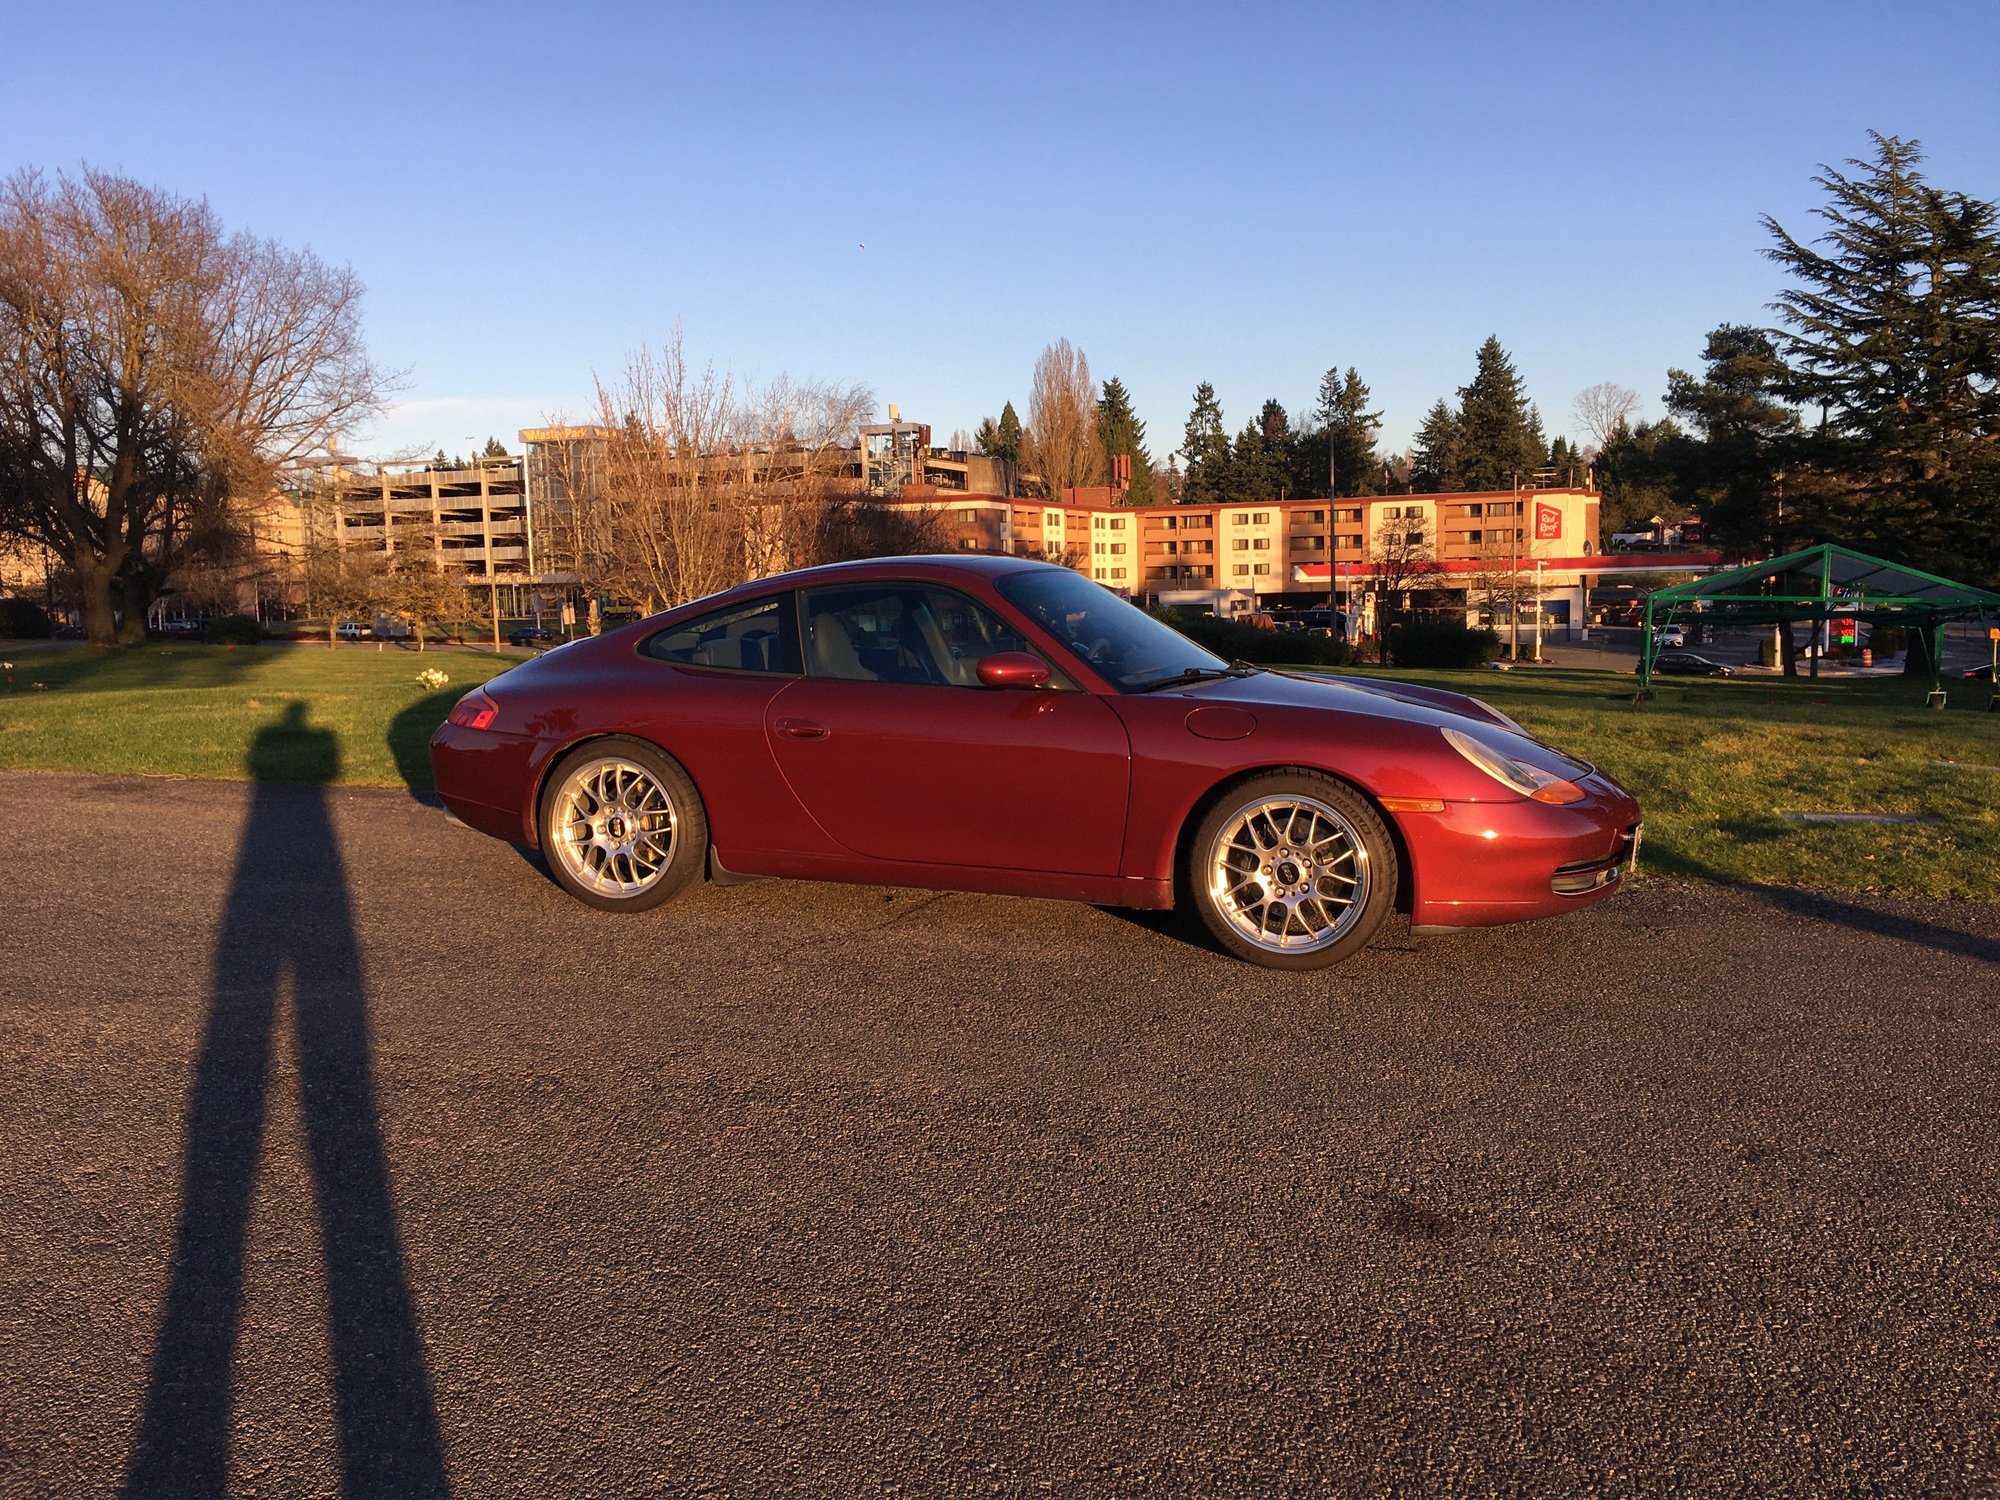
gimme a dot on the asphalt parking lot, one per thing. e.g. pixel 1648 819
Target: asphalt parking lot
pixel 342 1153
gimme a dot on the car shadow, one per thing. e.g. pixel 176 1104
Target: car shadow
pixel 288 919
pixel 409 741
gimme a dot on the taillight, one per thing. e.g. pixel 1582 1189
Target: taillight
pixel 474 711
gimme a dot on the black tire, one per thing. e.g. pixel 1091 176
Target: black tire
pixel 1303 886
pixel 570 858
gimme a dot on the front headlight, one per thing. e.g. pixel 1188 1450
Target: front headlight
pixel 1529 781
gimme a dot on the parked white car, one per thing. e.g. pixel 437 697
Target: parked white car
pixel 1669 635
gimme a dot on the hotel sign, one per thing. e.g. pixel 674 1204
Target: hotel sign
pixel 1548 522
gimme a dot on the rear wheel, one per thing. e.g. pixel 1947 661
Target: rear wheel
pixel 1292 870
pixel 622 826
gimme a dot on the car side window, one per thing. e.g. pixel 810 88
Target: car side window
pixel 902 632
pixel 756 637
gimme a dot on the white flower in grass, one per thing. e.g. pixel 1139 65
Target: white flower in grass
pixel 431 677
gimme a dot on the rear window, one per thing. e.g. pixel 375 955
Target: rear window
pixel 761 636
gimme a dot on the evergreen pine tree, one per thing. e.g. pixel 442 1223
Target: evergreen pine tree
pixel 1347 430
pixel 1434 464
pixel 1205 447
pixel 1009 434
pixel 1121 431
pixel 1499 435
pixel 1890 337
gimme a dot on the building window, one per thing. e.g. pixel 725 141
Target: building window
pixel 1262 568
pixel 1240 569
pixel 1262 544
pixel 968 513
pixel 1241 544
pixel 1261 518
pixel 1117 549
pixel 1413 538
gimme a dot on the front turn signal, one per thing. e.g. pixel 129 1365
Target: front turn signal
pixel 1557 793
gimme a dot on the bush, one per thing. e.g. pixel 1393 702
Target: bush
pixel 24 620
pixel 1232 640
pixel 235 630
pixel 1441 643
pixel 1889 640
pixel 1767 652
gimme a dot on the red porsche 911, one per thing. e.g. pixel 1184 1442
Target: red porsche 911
pixel 991 724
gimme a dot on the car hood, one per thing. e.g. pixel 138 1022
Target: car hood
pixel 1401 702
pixel 1406 701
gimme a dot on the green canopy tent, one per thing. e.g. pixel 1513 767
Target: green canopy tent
pixel 1819 584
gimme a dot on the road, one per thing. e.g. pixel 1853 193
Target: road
pixel 341 1149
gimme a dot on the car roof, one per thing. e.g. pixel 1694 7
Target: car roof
pixel 935 565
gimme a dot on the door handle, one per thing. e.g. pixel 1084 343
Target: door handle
pixel 801 729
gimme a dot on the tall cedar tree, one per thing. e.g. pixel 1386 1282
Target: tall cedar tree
pixel 1348 428
pixel 1890 333
pixel 1119 430
pixel 1747 432
pixel 1205 446
pixel 1499 432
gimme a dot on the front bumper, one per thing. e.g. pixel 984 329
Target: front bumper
pixel 1478 864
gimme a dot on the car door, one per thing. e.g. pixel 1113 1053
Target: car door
pixel 899 753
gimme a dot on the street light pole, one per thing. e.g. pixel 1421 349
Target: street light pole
pixel 1539 565
pixel 1514 579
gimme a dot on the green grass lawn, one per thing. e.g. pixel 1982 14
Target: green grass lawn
pixel 190 710
pixel 1718 764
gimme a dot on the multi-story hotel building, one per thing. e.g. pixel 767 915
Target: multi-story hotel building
pixel 1458 550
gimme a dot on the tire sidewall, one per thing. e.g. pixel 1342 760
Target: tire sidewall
pixel 1383 867
pixel 684 864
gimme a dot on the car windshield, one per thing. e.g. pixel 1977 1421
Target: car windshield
pixel 1126 645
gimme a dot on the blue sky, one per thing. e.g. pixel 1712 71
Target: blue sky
pixel 1242 194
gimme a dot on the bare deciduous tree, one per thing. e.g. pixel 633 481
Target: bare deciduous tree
pixel 1062 420
pixel 154 371
pixel 698 482
pixel 1403 557
pixel 1602 407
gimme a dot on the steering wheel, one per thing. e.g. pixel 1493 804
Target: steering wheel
pixel 1096 653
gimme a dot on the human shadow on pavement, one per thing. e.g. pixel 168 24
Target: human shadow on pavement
pixel 288 917
pixel 1819 906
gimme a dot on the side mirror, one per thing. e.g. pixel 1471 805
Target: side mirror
pixel 1013 669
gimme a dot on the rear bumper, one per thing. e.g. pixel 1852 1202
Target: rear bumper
pixel 484 777
pixel 1478 864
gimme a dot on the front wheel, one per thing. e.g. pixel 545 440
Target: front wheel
pixel 622 826
pixel 1292 870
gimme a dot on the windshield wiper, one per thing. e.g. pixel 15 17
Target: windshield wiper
pixel 1198 674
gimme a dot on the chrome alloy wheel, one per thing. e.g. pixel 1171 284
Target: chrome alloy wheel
pixel 612 825
pixel 1289 874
